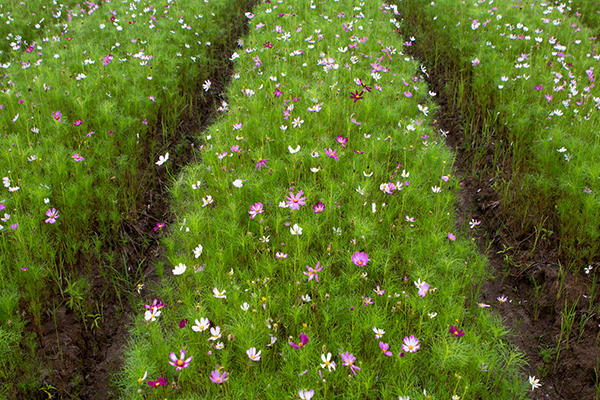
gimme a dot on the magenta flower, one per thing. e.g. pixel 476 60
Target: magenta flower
pixel 57 115
pixel 295 201
pixel 261 163
pixel 218 378
pixel 77 157
pixel 159 382
pixel 342 140
pixel 107 59
pixel 160 225
pixel 385 348
pixel 303 341
pixel 277 93
pixel 411 344
pixel 451 237
pixel 52 214
pixel 457 333
pixel 313 272
pixel 349 359
pixel 157 303
pixel 360 259
pixel 356 96
pixel 78 122
pixel 180 363
pixel 183 323
pixel 368 301
pixel 331 153
pixel 319 208
pixel 255 209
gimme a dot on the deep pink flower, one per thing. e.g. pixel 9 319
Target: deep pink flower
pixel 385 348
pixel 356 96
pixel 295 201
pixel 360 259
pixel 180 363
pixel 277 93
pixel 77 157
pixel 160 225
pixel 255 209
pixel 78 122
pixel 342 140
pixel 457 333
pixel 218 378
pixel 57 115
pixel 303 341
pixel 183 323
pixel 313 272
pixel 319 207
pixel 159 382
pixel 261 163
pixel 157 303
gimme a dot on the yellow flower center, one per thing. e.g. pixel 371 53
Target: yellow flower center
pixel 410 347
pixel 360 263
pixel 180 362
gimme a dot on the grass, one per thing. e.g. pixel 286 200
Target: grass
pixel 525 77
pixel 89 98
pixel 346 173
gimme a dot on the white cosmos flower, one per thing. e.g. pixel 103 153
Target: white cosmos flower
pixel 201 325
pixel 180 269
pixel 314 154
pixel 252 354
pixel 296 230
pixel 374 207
pixel 245 306
pixel 162 159
pixel 293 151
pixel 315 170
pixel 238 183
pixel 215 333
pixel 327 363
pixel 207 200
pixel 283 204
pixel 218 294
pixel 367 175
pixel 378 332
pixel 198 251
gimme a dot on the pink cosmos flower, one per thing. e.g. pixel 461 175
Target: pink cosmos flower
pixel 295 201
pixel 160 225
pixel 159 382
pixel 319 208
pixel 411 344
pixel 218 378
pixel 360 259
pixel 52 214
pixel 57 115
pixel 385 348
pixel 342 140
pixel 451 236
pixel 331 153
pixel 261 163
pixel 255 209
pixel 313 272
pixel 77 157
pixel 349 359
pixel 303 341
pixel 280 255
pixel 457 333
pixel 179 363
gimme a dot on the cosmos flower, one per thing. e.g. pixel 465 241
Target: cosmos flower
pixel 218 378
pixel 454 331
pixel 360 259
pixel 303 341
pixel 180 363
pixel 411 344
